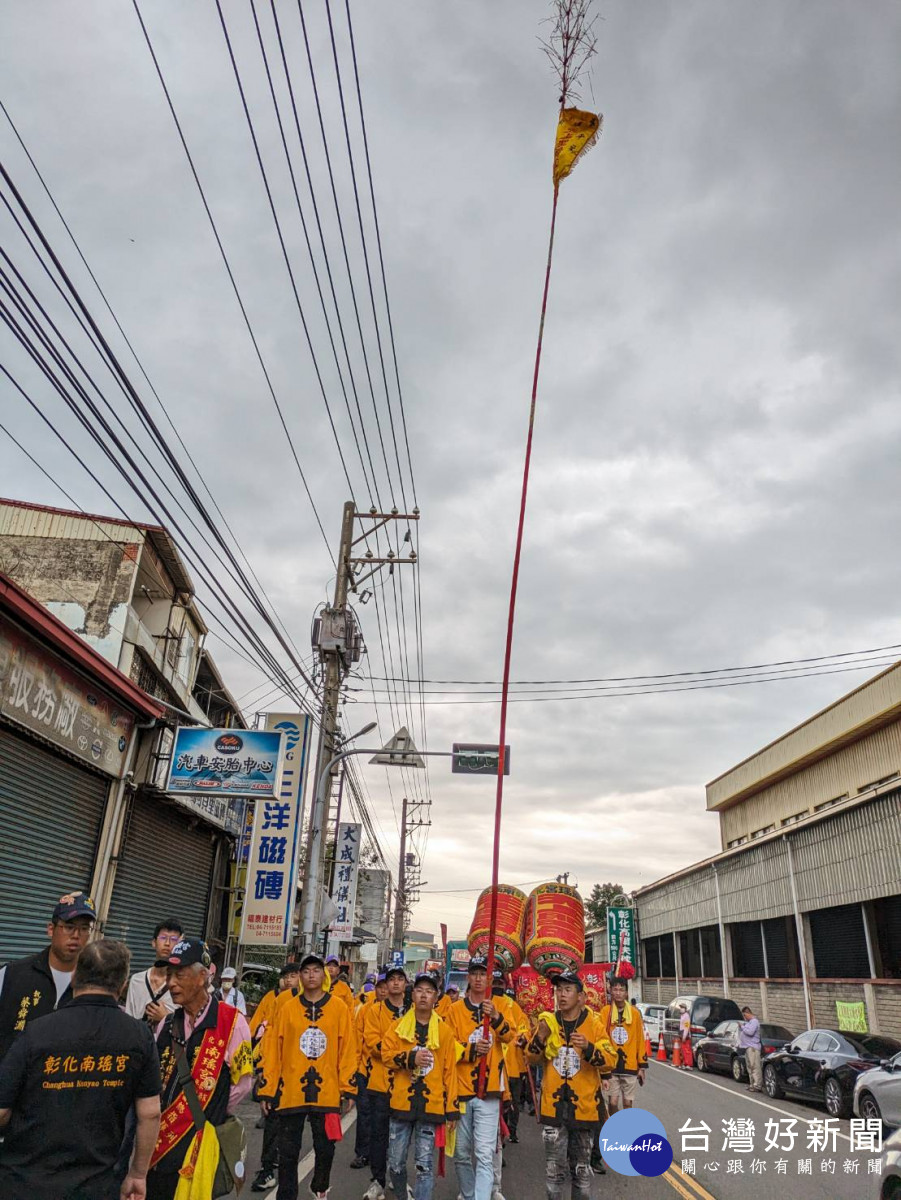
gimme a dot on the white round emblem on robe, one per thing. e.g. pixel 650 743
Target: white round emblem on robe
pixel 476 1036
pixel 313 1042
pixel 620 1034
pixel 567 1062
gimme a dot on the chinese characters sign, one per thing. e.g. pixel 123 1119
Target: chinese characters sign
pixel 272 861
pixel 344 888
pixel 38 692
pixel 225 762
pixel 621 921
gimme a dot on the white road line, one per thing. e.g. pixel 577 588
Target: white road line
pixel 751 1099
pixel 305 1166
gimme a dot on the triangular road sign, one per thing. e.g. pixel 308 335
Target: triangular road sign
pixel 400 751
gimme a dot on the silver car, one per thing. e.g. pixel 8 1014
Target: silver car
pixel 887 1186
pixel 877 1093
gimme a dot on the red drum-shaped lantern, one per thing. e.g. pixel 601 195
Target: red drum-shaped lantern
pixel 555 929
pixel 511 907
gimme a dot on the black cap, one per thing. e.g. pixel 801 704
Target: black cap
pixel 290 968
pixel 312 960
pixel 393 969
pixel 187 952
pixel 426 977
pixel 478 962
pixel 568 977
pixel 74 906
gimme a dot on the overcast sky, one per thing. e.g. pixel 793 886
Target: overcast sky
pixel 715 476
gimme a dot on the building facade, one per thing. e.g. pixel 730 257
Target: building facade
pixel 123 591
pixel 800 914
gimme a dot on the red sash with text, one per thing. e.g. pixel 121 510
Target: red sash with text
pixel 176 1121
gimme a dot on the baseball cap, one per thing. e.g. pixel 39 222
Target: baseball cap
pixel 229 973
pixel 76 904
pixel 381 977
pixel 333 958
pixel 478 962
pixel 311 960
pixel 187 952
pixel 394 970
pixel 452 987
pixel 290 968
pixel 425 977
pixel 568 977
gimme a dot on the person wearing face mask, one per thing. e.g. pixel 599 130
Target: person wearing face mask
pixel 230 993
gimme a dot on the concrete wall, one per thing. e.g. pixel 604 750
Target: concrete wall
pixel 781 1002
pixel 86 583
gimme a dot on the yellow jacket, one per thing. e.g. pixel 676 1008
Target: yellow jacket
pixel 571 1092
pixel 514 1056
pixel 264 1012
pixel 417 1093
pixel 626 1031
pixel 465 1021
pixel 341 989
pixel 442 1008
pixel 377 1020
pixel 309 1058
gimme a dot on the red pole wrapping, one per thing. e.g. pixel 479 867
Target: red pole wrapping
pixel 508 651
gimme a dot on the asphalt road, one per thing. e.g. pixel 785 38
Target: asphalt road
pixel 675 1097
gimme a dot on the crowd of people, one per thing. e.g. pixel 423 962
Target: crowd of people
pixel 125 1087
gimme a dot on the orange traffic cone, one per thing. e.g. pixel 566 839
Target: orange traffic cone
pixel 688 1059
pixel 677 1052
pixel 647 1045
pixel 661 1049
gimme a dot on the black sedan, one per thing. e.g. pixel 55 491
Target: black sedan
pixel 720 1051
pixel 822 1065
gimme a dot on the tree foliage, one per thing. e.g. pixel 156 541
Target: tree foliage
pixel 598 901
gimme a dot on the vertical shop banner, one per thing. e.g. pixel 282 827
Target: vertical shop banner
pixel 344 888
pixel 273 860
pixel 621 921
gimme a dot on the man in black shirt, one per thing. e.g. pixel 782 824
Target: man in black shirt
pixel 66 1088
pixel 40 983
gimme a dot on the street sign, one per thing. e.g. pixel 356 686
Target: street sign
pixel 621 921
pixel 474 758
pixel 397 958
pixel 344 888
pixel 400 751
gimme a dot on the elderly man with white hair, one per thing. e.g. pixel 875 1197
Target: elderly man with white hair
pixel 205 1063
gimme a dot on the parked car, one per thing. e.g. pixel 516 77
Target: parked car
pixel 720 1051
pixel 877 1093
pixel 887 1186
pixel 822 1065
pixel 652 1019
pixel 705 1013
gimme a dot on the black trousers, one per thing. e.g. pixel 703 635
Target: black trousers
pixel 162 1186
pixel 513 1106
pixel 379 1129
pixel 269 1153
pixel 290 1137
pixel 361 1144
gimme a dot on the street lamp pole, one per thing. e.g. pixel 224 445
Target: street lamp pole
pixel 309 926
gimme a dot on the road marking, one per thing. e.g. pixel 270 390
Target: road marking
pixel 673 1180
pixel 306 1164
pixel 692 1183
pixel 753 1100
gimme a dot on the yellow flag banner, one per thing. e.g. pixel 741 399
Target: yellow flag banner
pixel 577 131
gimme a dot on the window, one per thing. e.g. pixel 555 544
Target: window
pixel 747 950
pixel 824 1043
pixel 839 943
pixel 739 841
pixel 795 818
pixel 887 919
pixel 804 1042
pixel 651 951
pixel 783 959
pixel 829 803
pixel 758 833
pixel 876 782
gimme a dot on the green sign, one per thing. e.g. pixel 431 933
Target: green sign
pixel 621 921
pixel 851 1017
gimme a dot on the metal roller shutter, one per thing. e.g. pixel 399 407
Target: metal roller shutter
pixel 51 815
pixel 164 871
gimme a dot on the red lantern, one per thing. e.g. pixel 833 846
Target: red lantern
pixel 555 929
pixel 511 907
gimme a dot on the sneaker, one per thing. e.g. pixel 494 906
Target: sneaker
pixel 319 1195
pixel 264 1180
pixel 375 1191
pixel 358 1162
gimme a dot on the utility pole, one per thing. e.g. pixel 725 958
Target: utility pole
pixel 401 906
pixel 338 640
